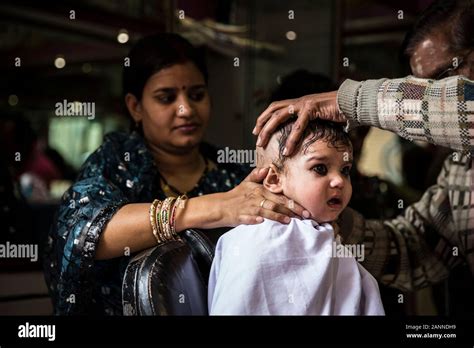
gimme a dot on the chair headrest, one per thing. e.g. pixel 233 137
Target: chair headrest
pixel 171 278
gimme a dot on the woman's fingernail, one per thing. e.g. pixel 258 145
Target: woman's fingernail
pixel 259 141
pixel 285 151
pixel 254 132
pixel 259 219
pixel 306 214
pixel 287 219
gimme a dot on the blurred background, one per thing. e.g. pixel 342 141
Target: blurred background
pixel 56 51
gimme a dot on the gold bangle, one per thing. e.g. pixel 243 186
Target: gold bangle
pixel 165 218
pixel 169 210
pixel 159 222
pixel 162 219
pixel 158 228
pixel 153 223
pixel 178 204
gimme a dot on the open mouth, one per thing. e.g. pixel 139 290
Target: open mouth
pixel 335 202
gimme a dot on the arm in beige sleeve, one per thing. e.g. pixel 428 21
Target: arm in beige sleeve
pixel 440 112
pixel 414 250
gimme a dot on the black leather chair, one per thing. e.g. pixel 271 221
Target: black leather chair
pixel 171 279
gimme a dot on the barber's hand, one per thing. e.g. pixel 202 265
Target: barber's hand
pixel 249 202
pixel 309 107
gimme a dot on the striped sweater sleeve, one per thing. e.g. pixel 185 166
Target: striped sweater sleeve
pixel 440 112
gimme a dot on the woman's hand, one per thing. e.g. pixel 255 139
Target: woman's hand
pixel 309 107
pixel 249 202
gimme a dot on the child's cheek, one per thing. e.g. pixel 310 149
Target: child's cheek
pixel 313 199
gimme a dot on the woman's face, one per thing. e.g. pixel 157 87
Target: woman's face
pixel 175 108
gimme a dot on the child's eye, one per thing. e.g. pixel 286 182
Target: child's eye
pixel 346 171
pixel 321 169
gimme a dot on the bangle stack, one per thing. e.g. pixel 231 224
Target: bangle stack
pixel 163 216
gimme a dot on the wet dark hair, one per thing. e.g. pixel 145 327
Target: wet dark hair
pixel 154 53
pixel 331 132
pixel 439 13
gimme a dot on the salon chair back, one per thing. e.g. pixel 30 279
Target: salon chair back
pixel 171 278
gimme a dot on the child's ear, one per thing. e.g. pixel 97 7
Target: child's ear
pixel 273 181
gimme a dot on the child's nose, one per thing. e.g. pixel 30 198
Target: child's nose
pixel 337 181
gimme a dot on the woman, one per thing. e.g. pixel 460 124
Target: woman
pixel 122 201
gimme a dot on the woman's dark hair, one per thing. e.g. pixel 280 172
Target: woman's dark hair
pixel 439 13
pixel 331 132
pixel 154 53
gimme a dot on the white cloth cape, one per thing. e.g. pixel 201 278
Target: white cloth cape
pixel 277 269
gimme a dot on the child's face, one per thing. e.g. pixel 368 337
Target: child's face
pixel 319 180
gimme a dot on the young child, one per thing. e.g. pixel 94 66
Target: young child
pixel 294 269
